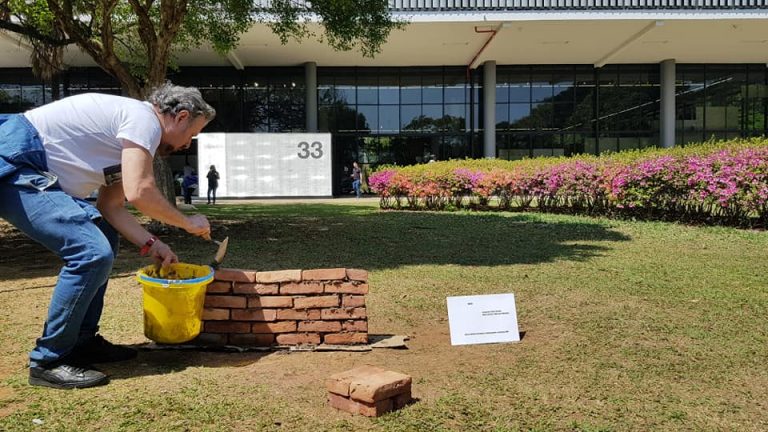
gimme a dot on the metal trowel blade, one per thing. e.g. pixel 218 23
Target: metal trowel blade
pixel 220 252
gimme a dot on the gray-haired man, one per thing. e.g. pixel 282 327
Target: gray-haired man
pixel 53 157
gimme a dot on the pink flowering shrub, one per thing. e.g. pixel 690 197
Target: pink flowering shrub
pixel 712 182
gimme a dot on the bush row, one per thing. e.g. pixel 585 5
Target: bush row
pixel 723 183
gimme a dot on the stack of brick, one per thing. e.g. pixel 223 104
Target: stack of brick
pixel 369 390
pixel 288 307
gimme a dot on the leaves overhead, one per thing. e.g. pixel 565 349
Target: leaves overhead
pixel 136 40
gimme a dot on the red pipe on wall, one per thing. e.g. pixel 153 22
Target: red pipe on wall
pixel 493 35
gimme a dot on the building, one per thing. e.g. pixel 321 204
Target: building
pixel 481 78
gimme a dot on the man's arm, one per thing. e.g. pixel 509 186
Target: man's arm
pixel 111 204
pixel 141 191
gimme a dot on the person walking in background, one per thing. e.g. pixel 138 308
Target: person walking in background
pixel 213 183
pixel 55 156
pixel 189 185
pixel 356 178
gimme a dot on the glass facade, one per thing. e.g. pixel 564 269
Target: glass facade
pixel 413 114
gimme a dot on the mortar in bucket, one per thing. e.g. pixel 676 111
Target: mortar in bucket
pixel 173 308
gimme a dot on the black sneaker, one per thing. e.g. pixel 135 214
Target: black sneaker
pixel 99 350
pixel 64 376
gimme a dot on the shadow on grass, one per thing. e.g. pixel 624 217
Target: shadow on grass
pixel 150 363
pixel 275 237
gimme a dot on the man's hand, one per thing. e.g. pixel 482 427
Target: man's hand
pixel 198 225
pixel 162 254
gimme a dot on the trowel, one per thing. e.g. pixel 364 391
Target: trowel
pixel 220 252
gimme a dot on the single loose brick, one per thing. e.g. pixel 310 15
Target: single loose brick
pixel 227 327
pixel 219 287
pixel 254 314
pixel 256 288
pixel 270 302
pixel 345 338
pixel 357 275
pixel 339 382
pixel 252 339
pixel 301 288
pixel 346 287
pixel 355 326
pixel 324 274
pixel 352 300
pixel 235 275
pixel 293 314
pixel 316 302
pixel 278 276
pixel 224 301
pixel 215 314
pixel 210 339
pixel 319 326
pixel 380 386
pixel 343 313
pixel 298 338
pixel 355 407
pixel 274 327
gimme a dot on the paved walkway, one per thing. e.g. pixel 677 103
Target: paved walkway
pixel 367 200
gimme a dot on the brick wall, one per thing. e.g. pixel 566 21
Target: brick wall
pixel 288 307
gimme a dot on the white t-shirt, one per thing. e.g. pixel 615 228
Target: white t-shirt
pixel 82 137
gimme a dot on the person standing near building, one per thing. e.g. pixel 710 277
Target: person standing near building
pixel 189 185
pixel 51 159
pixel 356 178
pixel 213 183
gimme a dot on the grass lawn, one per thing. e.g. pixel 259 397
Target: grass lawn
pixel 629 326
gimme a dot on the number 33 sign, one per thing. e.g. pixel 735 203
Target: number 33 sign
pixel 304 150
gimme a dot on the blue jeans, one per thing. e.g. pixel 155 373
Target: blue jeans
pixel 356 187
pixel 31 200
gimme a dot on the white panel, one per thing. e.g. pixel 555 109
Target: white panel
pixel 268 165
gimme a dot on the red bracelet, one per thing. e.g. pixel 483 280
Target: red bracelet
pixel 145 249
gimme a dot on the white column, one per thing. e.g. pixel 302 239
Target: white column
pixel 310 83
pixel 667 108
pixel 489 109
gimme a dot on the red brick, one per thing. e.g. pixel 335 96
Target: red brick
pixel 345 338
pixel 319 326
pixel 301 288
pixel 254 314
pixel 209 339
pixel 298 338
pixel 270 301
pixel 343 313
pixel 355 326
pixel 279 276
pixel 369 410
pixel 256 288
pixel 352 300
pixel 357 275
pixel 219 287
pixel 224 301
pixel 379 386
pixel 274 327
pixel 214 314
pixel 346 287
pixel 339 382
pixel 235 275
pixel 227 327
pixel 293 314
pixel 252 339
pixel 324 274
pixel 316 302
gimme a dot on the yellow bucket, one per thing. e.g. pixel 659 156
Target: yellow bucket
pixel 173 308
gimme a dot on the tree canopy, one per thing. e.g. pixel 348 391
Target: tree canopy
pixel 135 40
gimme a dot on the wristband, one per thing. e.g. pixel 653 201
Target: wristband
pixel 145 249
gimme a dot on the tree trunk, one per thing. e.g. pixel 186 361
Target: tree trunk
pixel 164 179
